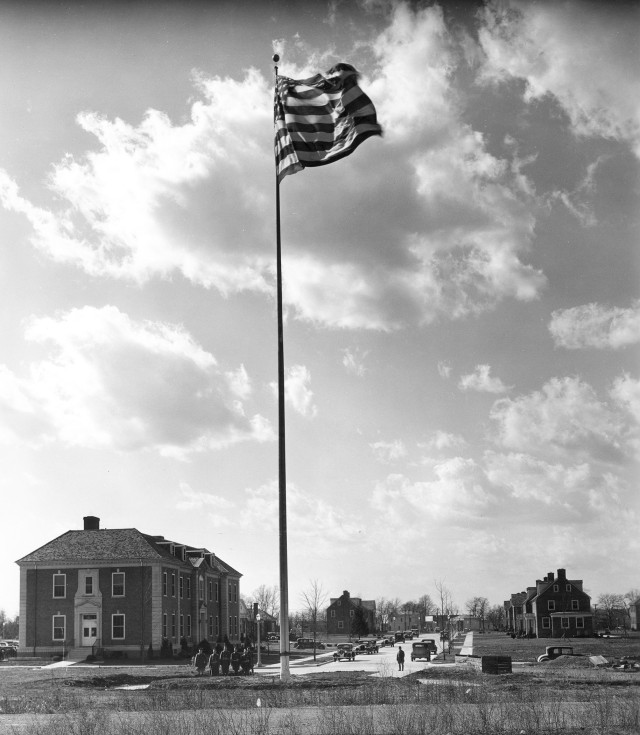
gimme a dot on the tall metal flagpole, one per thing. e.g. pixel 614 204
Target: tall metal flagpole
pixel 282 470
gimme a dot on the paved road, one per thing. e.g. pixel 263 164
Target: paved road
pixel 382 663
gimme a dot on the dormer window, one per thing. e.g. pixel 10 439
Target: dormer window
pixel 556 588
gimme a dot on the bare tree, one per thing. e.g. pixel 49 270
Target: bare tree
pixel 268 599
pixel 496 617
pixel 613 606
pixel 314 599
pixel 446 609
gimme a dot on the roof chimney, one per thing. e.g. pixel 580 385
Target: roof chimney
pixel 562 574
pixel 91 523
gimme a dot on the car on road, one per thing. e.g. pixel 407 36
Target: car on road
pixel 8 650
pixel 366 646
pixel 344 651
pixel 552 652
pixel 433 646
pixel 420 649
pixel 273 638
pixel 408 635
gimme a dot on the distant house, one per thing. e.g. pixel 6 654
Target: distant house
pixel 555 607
pixel 342 611
pixel 248 623
pixel 120 590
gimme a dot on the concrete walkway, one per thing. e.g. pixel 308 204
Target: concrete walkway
pixel 467 645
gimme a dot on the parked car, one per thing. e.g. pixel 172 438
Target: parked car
pixel 344 651
pixel 273 637
pixel 7 650
pixel 421 649
pixel 399 636
pixel 408 635
pixel 552 652
pixel 366 646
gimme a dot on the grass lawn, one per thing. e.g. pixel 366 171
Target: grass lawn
pixel 528 649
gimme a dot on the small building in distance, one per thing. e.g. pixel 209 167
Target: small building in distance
pixel 120 591
pixel 555 607
pixel 342 612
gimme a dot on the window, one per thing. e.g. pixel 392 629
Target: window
pixel 210 590
pixel 339 603
pixel 117 626
pixel 579 622
pixel 217 625
pixel 173 585
pixel 181 586
pixel 333 613
pixel 229 591
pixel 173 625
pixel 546 623
pixel 59 585
pixel 211 633
pixel 188 626
pixel 181 625
pixel 59 627
pixel 88 585
pixel 230 625
pixel 217 592
pixel 117 584
pixel 351 613
pixel 575 604
pixel 564 622
pixel 164 584
pixel 568 588
pixel 201 588
pixel 188 588
pixel 235 625
pixel 556 588
pixel 235 593
pixel 340 624
pixel 551 605
pixel 164 625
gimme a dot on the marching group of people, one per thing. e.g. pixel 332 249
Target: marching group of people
pixel 224 661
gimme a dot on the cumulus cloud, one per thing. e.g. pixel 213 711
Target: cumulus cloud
pixel 443 440
pixel 111 381
pixel 566 416
pixel 297 392
pixel 584 54
pixel 480 380
pixel 424 224
pixel 190 499
pixel 353 362
pixel 456 493
pixel 596 326
pixel 389 451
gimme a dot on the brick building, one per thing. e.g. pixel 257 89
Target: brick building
pixel 122 590
pixel 342 611
pixel 555 607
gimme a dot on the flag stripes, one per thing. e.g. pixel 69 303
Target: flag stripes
pixel 321 119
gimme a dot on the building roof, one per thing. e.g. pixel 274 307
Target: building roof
pixel 113 544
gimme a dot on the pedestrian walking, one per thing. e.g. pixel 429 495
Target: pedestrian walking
pixel 400 658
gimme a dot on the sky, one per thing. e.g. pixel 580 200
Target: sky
pixel 461 302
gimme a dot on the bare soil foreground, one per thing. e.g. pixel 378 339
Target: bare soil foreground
pixel 568 695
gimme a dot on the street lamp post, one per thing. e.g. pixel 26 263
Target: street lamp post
pixel 258 622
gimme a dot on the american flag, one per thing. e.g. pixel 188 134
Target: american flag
pixel 320 119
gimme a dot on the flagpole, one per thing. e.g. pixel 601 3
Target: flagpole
pixel 282 470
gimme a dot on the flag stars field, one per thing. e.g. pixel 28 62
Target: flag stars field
pixel 460 294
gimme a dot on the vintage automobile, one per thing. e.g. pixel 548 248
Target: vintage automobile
pixel 344 651
pixel 366 646
pixel 421 649
pixel 432 645
pixel 7 650
pixel 552 652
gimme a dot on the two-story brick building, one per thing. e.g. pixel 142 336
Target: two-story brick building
pixel 123 590
pixel 342 611
pixel 555 607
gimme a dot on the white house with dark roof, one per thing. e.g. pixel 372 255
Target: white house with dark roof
pixel 120 590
